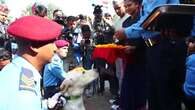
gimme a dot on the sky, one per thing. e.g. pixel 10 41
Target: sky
pixel 69 7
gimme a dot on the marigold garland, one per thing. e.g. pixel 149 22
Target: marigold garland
pixel 110 46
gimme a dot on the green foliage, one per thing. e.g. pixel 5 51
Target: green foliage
pixel 27 11
pixel 2 1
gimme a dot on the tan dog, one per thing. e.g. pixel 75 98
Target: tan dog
pixel 73 86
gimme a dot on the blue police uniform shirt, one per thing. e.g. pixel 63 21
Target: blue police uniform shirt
pixel 189 84
pixel 20 86
pixel 135 30
pixel 54 72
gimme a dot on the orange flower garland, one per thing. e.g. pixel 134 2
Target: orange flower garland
pixel 111 46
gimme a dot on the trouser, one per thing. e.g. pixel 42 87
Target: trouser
pixel 107 74
pixel 189 103
pixel 50 91
pixel 166 71
pixel 134 90
pixel 113 81
pixel 134 83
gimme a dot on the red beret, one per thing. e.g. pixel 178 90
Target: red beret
pixel 34 28
pixel 61 43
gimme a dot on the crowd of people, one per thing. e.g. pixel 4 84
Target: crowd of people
pixel 36 53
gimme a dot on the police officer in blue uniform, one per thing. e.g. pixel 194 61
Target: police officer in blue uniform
pixel 165 61
pixel 189 85
pixel 20 80
pixel 54 72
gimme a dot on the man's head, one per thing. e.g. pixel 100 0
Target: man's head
pixel 58 16
pixel 97 11
pixel 62 46
pixel 107 16
pixel 72 21
pixel 3 12
pixel 119 7
pixel 5 57
pixel 35 37
pixel 40 10
pixel 86 31
pixel 57 13
pixel 132 6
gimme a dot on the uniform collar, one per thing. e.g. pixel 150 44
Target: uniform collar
pixel 21 62
pixel 56 58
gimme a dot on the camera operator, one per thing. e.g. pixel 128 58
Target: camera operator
pixel 102 29
pixel 86 46
pixel 75 38
pixel 72 34
pixel 58 16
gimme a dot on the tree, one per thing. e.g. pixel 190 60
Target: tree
pixel 2 1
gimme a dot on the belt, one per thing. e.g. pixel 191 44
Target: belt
pixel 72 97
pixel 156 40
pixel 152 41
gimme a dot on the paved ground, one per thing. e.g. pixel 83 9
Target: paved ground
pixel 98 102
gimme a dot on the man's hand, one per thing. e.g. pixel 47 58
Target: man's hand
pixel 120 35
pixel 56 101
pixel 130 49
pixel 65 85
pixel 51 102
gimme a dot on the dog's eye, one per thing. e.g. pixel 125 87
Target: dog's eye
pixel 83 72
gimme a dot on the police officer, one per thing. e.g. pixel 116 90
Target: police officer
pixel 20 80
pixel 54 72
pixel 164 81
pixel 189 80
pixel 189 86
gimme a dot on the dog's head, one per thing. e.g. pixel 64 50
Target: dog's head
pixel 76 80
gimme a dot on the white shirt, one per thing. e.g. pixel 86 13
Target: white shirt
pixel 117 23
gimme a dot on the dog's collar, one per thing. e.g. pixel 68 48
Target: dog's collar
pixel 72 97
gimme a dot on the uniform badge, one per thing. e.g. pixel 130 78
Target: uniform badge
pixel 27 80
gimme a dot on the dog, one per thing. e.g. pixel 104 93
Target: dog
pixel 73 87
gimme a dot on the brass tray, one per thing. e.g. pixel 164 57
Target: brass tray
pixel 170 16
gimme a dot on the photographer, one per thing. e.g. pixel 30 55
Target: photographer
pixel 102 29
pixel 86 46
pixel 58 16
pixel 76 38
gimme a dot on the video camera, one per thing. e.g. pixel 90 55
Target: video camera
pixel 97 9
pixel 61 20
pixel 68 34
